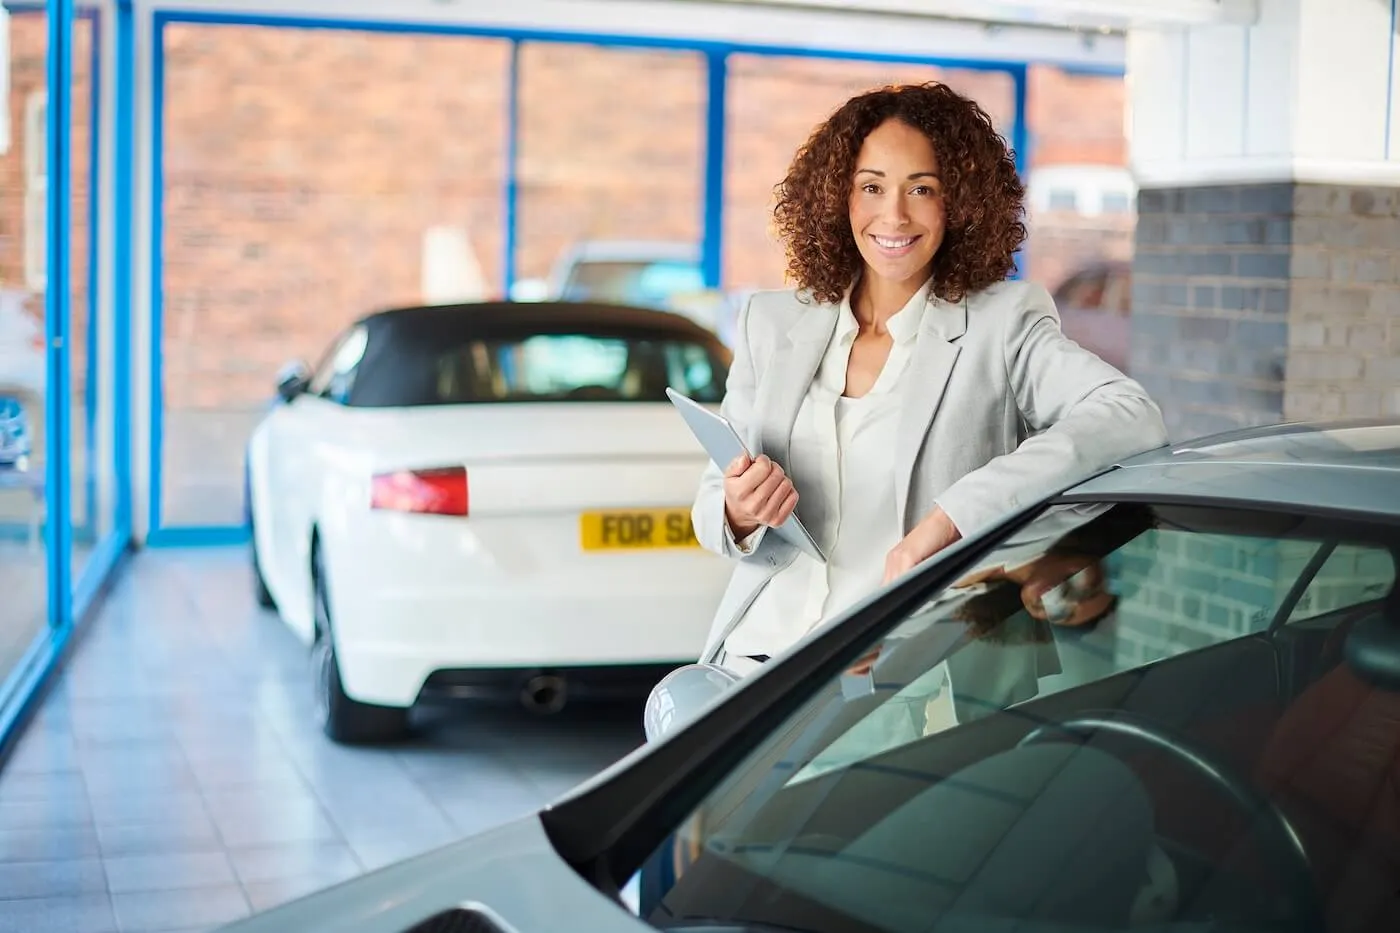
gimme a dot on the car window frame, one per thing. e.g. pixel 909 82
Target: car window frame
pixel 326 369
pixel 323 365
pixel 606 828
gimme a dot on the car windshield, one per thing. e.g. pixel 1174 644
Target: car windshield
pixel 570 364
pixel 1126 717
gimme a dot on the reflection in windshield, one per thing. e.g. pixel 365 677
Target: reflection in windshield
pixel 944 792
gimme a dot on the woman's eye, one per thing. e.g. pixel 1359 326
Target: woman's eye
pixel 924 191
pixel 871 189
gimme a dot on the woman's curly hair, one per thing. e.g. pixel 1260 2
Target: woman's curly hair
pixel 983 195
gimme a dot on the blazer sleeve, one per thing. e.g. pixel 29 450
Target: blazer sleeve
pixel 1085 416
pixel 707 514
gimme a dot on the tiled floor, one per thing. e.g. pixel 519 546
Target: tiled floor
pixel 173 781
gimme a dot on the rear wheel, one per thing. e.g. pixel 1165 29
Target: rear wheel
pixel 342 718
pixel 260 591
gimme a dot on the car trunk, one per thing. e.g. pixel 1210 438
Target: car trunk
pixel 551 483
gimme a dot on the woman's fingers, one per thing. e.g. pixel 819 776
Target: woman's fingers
pixel 764 491
pixel 780 505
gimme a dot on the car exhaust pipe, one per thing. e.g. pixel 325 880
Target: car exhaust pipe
pixel 545 693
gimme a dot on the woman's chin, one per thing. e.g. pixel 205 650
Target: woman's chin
pixel 897 270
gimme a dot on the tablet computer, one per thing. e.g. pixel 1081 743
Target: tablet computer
pixel 719 439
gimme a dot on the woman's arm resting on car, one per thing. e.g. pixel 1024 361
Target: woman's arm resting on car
pixel 1086 416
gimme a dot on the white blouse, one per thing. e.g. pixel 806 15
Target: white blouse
pixel 842 449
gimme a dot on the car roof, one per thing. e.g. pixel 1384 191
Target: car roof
pixel 1343 466
pixel 633 251
pixel 545 315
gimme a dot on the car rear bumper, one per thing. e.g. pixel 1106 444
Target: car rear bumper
pixel 406 606
pixel 390 644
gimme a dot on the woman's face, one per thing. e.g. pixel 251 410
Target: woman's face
pixel 897 213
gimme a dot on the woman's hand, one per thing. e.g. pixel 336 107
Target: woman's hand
pixel 865 662
pixel 1066 590
pixel 929 536
pixel 756 492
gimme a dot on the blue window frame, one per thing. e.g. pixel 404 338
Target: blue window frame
pixel 70 596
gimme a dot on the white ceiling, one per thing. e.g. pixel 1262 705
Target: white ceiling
pixel 853 27
pixel 1094 14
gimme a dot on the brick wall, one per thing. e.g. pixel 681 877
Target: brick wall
pixel 1076 118
pixel 1259 303
pixel 294 203
pixel 1210 304
pixel 611 147
pixel 1343 356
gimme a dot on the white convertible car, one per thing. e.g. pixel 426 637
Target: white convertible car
pixel 483 497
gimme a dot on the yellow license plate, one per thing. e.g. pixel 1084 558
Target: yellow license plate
pixel 636 529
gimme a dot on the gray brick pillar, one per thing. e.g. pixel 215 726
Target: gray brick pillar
pixel 1261 303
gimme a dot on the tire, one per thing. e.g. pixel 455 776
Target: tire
pixel 260 591
pixel 342 718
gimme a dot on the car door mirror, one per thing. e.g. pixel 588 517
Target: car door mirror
pixel 292 380
pixel 682 695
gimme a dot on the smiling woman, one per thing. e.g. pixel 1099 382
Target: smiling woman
pixel 919 162
pixel 905 394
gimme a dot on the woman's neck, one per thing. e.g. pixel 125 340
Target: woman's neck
pixel 876 300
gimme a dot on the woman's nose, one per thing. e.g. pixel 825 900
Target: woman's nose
pixel 896 211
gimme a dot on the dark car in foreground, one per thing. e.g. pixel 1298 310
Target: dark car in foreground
pixel 1167 699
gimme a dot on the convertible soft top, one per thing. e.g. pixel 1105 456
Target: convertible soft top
pixel 538 317
pixel 405 348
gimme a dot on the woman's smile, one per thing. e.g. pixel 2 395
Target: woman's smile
pixel 895 246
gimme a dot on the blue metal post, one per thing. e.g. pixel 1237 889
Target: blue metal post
pixel 155 446
pixel 712 251
pixel 512 182
pixel 1020 140
pixel 58 230
pixel 123 183
pixel 93 366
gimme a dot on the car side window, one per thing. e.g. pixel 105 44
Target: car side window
pixel 1349 576
pixel 335 376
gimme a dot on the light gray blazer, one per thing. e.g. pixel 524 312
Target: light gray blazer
pixel 1000 409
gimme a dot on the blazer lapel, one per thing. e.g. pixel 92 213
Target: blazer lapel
pixel 924 383
pixel 790 372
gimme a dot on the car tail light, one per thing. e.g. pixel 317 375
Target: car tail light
pixel 432 492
